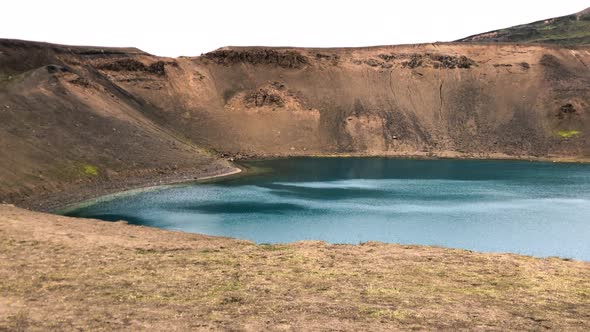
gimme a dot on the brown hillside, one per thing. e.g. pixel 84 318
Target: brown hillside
pixel 84 114
pixel 63 124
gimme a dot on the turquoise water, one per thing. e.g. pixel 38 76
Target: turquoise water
pixel 539 209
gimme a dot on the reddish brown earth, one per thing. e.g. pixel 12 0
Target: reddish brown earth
pixel 74 116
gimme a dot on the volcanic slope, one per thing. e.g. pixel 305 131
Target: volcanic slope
pixel 77 115
pixel 65 125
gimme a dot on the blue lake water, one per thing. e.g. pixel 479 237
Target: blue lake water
pixel 539 209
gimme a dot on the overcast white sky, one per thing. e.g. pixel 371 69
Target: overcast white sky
pixel 174 27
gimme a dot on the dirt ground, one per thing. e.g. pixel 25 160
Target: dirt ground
pixel 59 273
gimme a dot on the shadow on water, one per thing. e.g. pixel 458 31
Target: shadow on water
pixel 285 190
pixel 238 207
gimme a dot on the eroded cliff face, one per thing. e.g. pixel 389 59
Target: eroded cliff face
pixel 437 99
pixel 122 109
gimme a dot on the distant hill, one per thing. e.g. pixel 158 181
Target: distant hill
pixel 566 30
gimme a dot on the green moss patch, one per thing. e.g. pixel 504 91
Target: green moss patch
pixel 568 133
pixel 90 170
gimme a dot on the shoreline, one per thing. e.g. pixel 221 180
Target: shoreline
pixel 425 156
pixel 181 233
pixel 72 206
pixel 78 194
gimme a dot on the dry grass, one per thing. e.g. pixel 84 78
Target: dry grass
pixel 60 273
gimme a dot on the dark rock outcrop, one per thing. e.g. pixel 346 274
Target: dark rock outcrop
pixel 566 110
pixel 439 61
pixel 264 97
pixel 285 59
pixel 157 68
pixel 52 69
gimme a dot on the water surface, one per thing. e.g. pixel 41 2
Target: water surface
pixel 540 209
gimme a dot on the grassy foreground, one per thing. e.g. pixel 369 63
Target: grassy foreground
pixel 59 273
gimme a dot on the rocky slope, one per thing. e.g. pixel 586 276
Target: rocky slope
pixel 65 125
pixel 82 114
pixel 566 30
